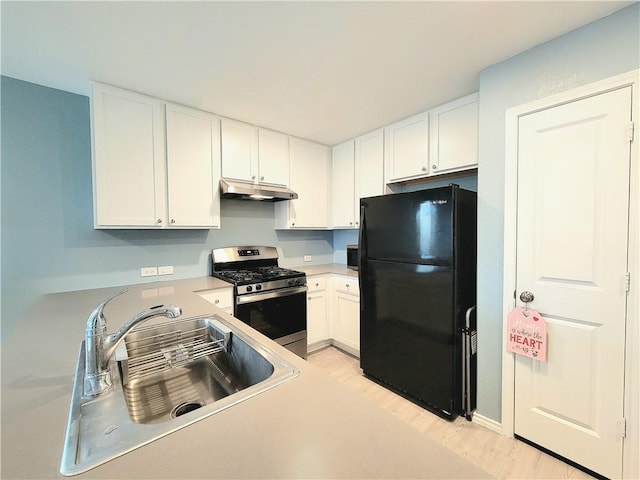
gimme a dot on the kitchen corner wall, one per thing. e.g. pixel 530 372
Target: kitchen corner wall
pixel 602 49
pixel 47 237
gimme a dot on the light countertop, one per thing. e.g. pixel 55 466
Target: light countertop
pixel 309 427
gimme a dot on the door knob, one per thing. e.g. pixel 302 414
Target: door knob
pixel 526 297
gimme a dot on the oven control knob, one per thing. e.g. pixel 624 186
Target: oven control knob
pixel 249 288
pixel 258 287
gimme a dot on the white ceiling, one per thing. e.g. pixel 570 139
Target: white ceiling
pixel 326 71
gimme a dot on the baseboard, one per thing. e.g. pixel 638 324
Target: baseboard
pixel 318 345
pixel 345 348
pixel 489 423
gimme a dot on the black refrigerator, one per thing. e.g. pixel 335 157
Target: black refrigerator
pixel 417 272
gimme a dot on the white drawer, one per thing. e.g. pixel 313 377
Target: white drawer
pixel 315 284
pixel 346 285
pixel 221 297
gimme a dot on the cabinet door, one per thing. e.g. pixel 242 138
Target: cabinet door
pixel 317 322
pixel 409 148
pixel 128 159
pixel 193 168
pixel 309 178
pixel 239 150
pixel 369 168
pixel 347 321
pixel 454 135
pixel 273 156
pixel 343 185
pixel 220 297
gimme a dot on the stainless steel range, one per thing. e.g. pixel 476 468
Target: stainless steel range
pixel 267 297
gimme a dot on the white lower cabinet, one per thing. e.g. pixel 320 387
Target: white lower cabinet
pixel 220 297
pixel 317 318
pixel 346 314
pixel 333 313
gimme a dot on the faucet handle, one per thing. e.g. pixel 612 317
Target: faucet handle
pixel 92 321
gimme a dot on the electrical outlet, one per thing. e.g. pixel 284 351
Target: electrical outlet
pixel 307 258
pixel 165 270
pixel 148 271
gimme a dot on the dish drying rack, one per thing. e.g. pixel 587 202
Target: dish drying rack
pixel 152 350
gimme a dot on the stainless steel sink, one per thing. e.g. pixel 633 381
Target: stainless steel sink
pixel 169 376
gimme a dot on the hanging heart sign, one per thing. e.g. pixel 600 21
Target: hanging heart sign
pixel 527 334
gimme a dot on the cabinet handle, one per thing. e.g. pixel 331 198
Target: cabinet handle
pixel 216 300
pixel 159 220
pixel 173 220
pixel 261 178
pixel 424 169
pixel 253 177
pixel 350 223
pixel 434 167
pixel 293 224
pixel 347 285
pixel 317 284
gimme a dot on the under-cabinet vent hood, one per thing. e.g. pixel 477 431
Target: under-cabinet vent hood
pixel 251 191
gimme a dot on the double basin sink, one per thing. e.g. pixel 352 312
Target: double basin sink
pixel 166 377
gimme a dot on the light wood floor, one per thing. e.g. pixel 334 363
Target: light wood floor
pixel 500 456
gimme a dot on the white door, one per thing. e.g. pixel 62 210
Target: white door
pixel 193 167
pixel 273 157
pixel 239 150
pixel 573 206
pixel 342 185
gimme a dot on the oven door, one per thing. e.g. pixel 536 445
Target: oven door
pixel 280 314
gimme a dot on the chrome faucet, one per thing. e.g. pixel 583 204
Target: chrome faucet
pixel 99 346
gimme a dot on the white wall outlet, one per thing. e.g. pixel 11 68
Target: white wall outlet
pixel 148 271
pixel 165 270
pixel 307 258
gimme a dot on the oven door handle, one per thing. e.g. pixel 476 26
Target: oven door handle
pixel 256 297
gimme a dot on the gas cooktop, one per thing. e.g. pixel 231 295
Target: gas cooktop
pixel 254 269
pixel 260 274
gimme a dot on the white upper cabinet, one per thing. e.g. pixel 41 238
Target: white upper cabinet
pixel 439 141
pixel 454 135
pixel 139 184
pixel 253 154
pixel 408 155
pixel 273 157
pixel 357 171
pixel 343 185
pixel 309 178
pixel 369 166
pixel 129 172
pixel 193 167
pixel 239 151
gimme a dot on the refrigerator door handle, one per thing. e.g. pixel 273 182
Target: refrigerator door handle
pixel 469 348
pixel 361 254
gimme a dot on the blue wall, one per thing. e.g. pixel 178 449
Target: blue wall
pixel 49 244
pixel 48 241
pixel 602 49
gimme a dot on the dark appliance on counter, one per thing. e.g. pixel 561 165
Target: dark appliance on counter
pixel 418 294
pixel 352 257
pixel 267 297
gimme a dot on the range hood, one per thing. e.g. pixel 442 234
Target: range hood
pixel 252 191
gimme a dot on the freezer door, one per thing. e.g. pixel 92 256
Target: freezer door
pixel 408 340
pixel 415 227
